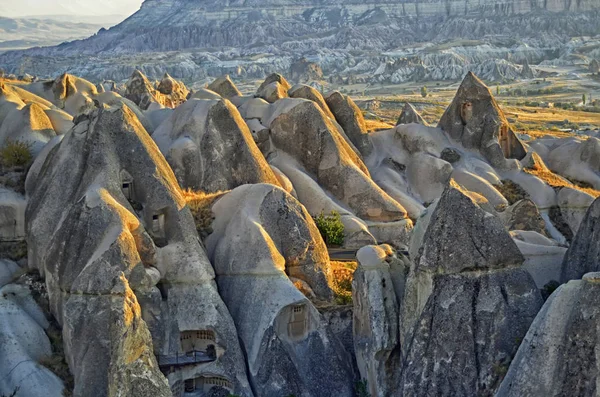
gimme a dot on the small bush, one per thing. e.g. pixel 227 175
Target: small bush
pixel 362 389
pixel 16 154
pixel 331 228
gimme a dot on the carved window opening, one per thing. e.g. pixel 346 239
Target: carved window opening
pixel 298 324
pixel 203 341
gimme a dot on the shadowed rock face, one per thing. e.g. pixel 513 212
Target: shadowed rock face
pixel 558 355
pixel 583 255
pixel 475 120
pixel 125 271
pixel 467 303
pixel 210 147
pixel 349 116
pixel 261 236
pixel 410 115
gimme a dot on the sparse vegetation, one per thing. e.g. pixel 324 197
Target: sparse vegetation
pixel 511 191
pixel 362 389
pixel 16 154
pixel 200 203
pixel 343 273
pixel 331 228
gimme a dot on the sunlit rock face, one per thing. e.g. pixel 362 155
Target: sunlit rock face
pixel 127 276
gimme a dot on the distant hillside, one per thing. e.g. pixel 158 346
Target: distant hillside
pixel 20 33
pixel 373 41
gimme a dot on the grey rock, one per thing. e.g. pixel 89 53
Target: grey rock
pixel 467 302
pixel 275 78
pixel 305 133
pixel 224 87
pixel 375 324
pixel 272 92
pixel 475 119
pixel 139 281
pixel 289 348
pixel 210 147
pixel 351 119
pixel 583 255
pixel 410 115
pixel 557 356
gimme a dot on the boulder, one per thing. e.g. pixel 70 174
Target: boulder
pixel 351 119
pixel 175 90
pixel 308 92
pixel 410 115
pixel 272 92
pixel 524 215
pixel 141 92
pixel 475 120
pixel 583 255
pixel 68 92
pixel 543 257
pixel 467 302
pixel 305 71
pixel 224 87
pixel 254 247
pixel 573 204
pixel 210 147
pixel 275 78
pixel 557 356
pixel 139 292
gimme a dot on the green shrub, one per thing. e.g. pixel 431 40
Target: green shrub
pixel 331 228
pixel 16 154
pixel 362 389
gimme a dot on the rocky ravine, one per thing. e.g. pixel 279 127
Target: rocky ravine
pixel 172 249
pixel 372 41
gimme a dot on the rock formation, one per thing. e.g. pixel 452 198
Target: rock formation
pixel 289 348
pixel 467 302
pixel 349 116
pixel 410 115
pixel 583 255
pixel 594 66
pixel 376 290
pixel 474 119
pixel 139 292
pixel 557 356
pixel 224 87
pixel 210 148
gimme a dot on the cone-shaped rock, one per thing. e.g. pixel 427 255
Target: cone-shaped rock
pixel 467 303
pixel 260 236
pixel 349 116
pixel 275 78
pixel 127 277
pixel 558 356
pixel 224 87
pixel 410 115
pixel 583 255
pixel 210 147
pixel 475 120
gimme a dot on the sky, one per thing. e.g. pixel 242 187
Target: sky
pixel 19 8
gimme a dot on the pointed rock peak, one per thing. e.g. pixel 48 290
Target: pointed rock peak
pixel 167 76
pixel 137 74
pixel 275 78
pixel 583 255
pixel 462 237
pixel 410 115
pixel 475 120
pixel 225 87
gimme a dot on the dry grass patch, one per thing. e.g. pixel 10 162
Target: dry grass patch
pixel 343 273
pixel 557 181
pixel 200 203
pixel 376 125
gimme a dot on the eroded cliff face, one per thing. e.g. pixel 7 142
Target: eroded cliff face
pixel 194 39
